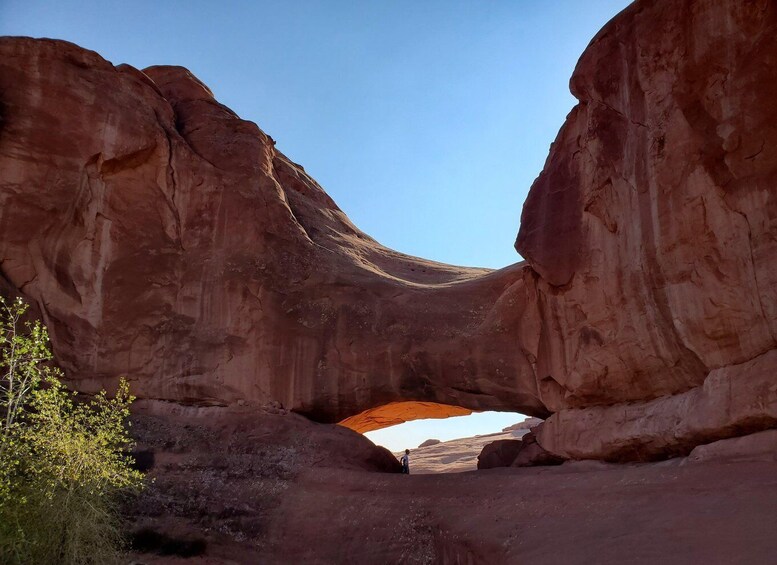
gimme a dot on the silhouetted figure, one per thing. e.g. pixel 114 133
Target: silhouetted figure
pixel 405 460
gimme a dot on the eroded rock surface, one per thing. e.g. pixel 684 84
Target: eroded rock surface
pixel 653 228
pixel 166 239
pixel 395 413
pixel 218 474
pixel 732 401
pixel 761 446
pixel 499 453
pixel 429 442
pixel 526 424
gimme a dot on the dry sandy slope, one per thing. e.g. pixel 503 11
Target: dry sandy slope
pixel 456 455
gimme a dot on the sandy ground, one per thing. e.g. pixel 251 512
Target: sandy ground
pixel 584 513
pixel 454 456
pixel 259 490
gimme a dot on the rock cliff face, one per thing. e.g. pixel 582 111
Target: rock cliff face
pixel 659 266
pixel 653 228
pixel 166 239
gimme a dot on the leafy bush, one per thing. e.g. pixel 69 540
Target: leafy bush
pixel 63 466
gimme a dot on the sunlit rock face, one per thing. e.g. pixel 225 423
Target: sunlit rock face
pixel 166 239
pixel 395 413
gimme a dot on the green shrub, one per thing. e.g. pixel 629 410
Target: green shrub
pixel 63 466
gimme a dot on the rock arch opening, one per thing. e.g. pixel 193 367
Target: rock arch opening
pixel 442 438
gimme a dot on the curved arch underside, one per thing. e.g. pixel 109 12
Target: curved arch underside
pixel 395 413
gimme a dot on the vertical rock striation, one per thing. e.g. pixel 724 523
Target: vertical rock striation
pixel 653 229
pixel 164 238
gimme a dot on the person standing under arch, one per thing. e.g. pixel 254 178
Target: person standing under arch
pixel 405 460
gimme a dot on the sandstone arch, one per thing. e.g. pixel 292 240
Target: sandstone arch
pixel 185 251
pixel 164 238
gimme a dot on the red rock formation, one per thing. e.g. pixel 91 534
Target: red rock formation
pixel 395 413
pixel 526 424
pixel 166 239
pixel 256 489
pixel 668 197
pixel 761 446
pixel 657 271
pixel 429 442
pixel 499 453
pixel 532 454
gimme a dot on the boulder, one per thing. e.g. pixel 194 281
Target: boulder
pixel 429 442
pixel 761 446
pixel 532 454
pixel 526 424
pixel 735 400
pixel 499 453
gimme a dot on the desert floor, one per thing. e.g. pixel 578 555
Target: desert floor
pixel 669 512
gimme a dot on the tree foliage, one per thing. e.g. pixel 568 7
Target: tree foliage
pixel 63 462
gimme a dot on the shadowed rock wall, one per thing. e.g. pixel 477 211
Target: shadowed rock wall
pixel 164 238
pixel 654 230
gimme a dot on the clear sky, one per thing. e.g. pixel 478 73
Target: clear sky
pixel 411 434
pixel 425 120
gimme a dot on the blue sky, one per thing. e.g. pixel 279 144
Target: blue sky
pixel 426 121
pixel 411 434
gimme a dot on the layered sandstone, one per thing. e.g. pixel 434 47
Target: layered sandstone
pixel 164 238
pixel 395 413
pixel 653 228
pixel 761 446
